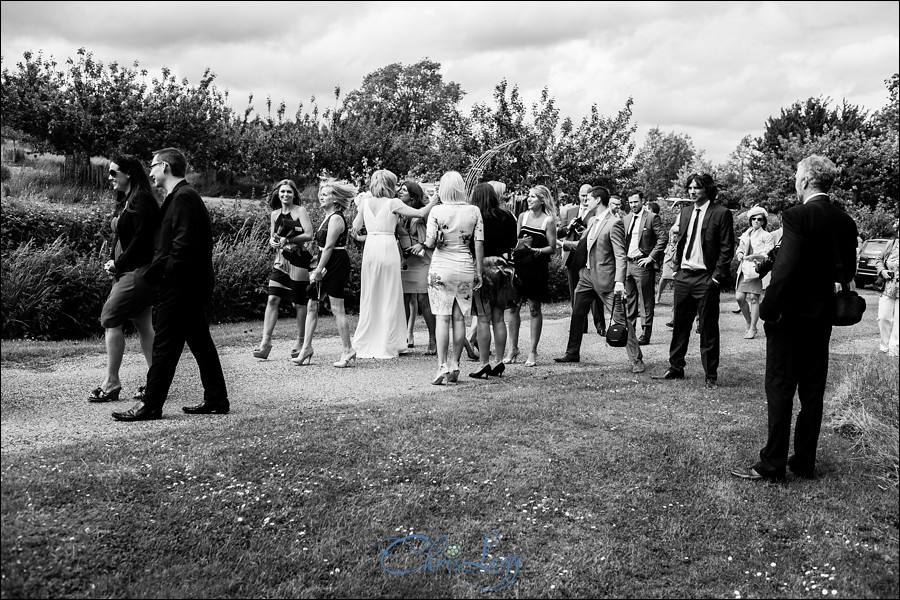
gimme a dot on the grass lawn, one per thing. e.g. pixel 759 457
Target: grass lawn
pixel 597 483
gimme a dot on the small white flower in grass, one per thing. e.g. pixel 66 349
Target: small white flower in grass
pixel 772 564
pixel 730 559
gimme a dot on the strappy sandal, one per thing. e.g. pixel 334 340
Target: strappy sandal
pixel 139 395
pixel 98 395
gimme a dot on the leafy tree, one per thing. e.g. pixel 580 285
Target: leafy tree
pixel 599 151
pixel 658 161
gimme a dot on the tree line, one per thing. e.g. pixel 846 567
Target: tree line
pixel 409 119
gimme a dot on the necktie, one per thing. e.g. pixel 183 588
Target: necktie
pixel 634 218
pixel 690 244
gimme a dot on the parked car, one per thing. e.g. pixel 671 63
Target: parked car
pixel 869 253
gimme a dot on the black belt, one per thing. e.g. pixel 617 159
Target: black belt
pixel 694 271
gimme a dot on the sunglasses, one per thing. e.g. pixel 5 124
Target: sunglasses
pixel 757 219
pixel 114 173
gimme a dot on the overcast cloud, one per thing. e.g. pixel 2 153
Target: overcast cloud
pixel 713 70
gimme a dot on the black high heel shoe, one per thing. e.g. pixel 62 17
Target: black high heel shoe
pixel 482 373
pixel 98 395
pixel 498 370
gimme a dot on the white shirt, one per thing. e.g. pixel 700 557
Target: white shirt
pixel 633 249
pixel 813 196
pixel 693 257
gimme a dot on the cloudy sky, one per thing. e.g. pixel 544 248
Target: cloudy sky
pixel 713 70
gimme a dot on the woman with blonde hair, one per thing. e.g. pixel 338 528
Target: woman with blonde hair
pixel 381 330
pixel 536 230
pixel 332 270
pixel 456 231
pixel 290 228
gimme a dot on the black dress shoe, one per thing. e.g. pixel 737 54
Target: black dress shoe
pixel 568 358
pixel 208 408
pixel 642 341
pixel 139 412
pixel 669 374
pixel 711 384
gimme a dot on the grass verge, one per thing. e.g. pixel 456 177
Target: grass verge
pixel 599 484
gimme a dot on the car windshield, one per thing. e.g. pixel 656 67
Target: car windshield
pixel 874 246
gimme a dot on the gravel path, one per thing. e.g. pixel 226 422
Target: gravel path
pixel 48 408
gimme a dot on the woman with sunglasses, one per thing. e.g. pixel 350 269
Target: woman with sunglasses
pixel 753 246
pixel 133 225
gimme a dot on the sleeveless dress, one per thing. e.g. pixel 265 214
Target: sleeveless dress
pixel 452 271
pixel 381 330
pixel 337 270
pixel 290 272
pixel 534 275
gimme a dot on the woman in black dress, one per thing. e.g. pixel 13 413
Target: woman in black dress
pixel 537 243
pixel 134 223
pixel 491 299
pixel 331 272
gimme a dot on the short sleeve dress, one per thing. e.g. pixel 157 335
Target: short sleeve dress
pixel 452 272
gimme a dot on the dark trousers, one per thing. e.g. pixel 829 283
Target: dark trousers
pixel 640 293
pixel 180 319
pixel 596 307
pixel 695 292
pixel 583 300
pixel 796 360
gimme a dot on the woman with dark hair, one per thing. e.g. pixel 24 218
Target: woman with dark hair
pixel 415 265
pixel 290 228
pixel 490 300
pixel 537 243
pixel 133 225
pixel 331 272
pixel 753 246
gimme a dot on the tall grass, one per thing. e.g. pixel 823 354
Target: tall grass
pixel 51 292
pixel 865 409
pixel 241 263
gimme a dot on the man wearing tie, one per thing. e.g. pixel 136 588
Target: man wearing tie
pixel 574 224
pixel 603 277
pixel 702 264
pixel 645 246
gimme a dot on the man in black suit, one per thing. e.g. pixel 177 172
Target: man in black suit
pixel 574 224
pixel 702 264
pixel 818 251
pixel 182 267
pixel 645 247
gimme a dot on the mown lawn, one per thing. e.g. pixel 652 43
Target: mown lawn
pixel 598 483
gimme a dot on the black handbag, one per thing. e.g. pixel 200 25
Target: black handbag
pixel 848 305
pixel 848 308
pixel 616 334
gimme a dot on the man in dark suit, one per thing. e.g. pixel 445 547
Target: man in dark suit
pixel 182 267
pixel 818 251
pixel 645 247
pixel 601 253
pixel 702 264
pixel 574 222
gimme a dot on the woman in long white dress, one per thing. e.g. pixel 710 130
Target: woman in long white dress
pixel 381 330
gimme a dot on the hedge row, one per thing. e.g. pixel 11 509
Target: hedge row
pixel 54 287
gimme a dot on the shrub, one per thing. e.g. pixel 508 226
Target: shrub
pixel 241 264
pixel 51 292
pixel 5 173
pixel 865 409
pixel 85 227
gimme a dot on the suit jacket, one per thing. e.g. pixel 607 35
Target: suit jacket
pixel 182 258
pixel 653 235
pixel 818 248
pixel 604 247
pixel 717 239
pixel 572 230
